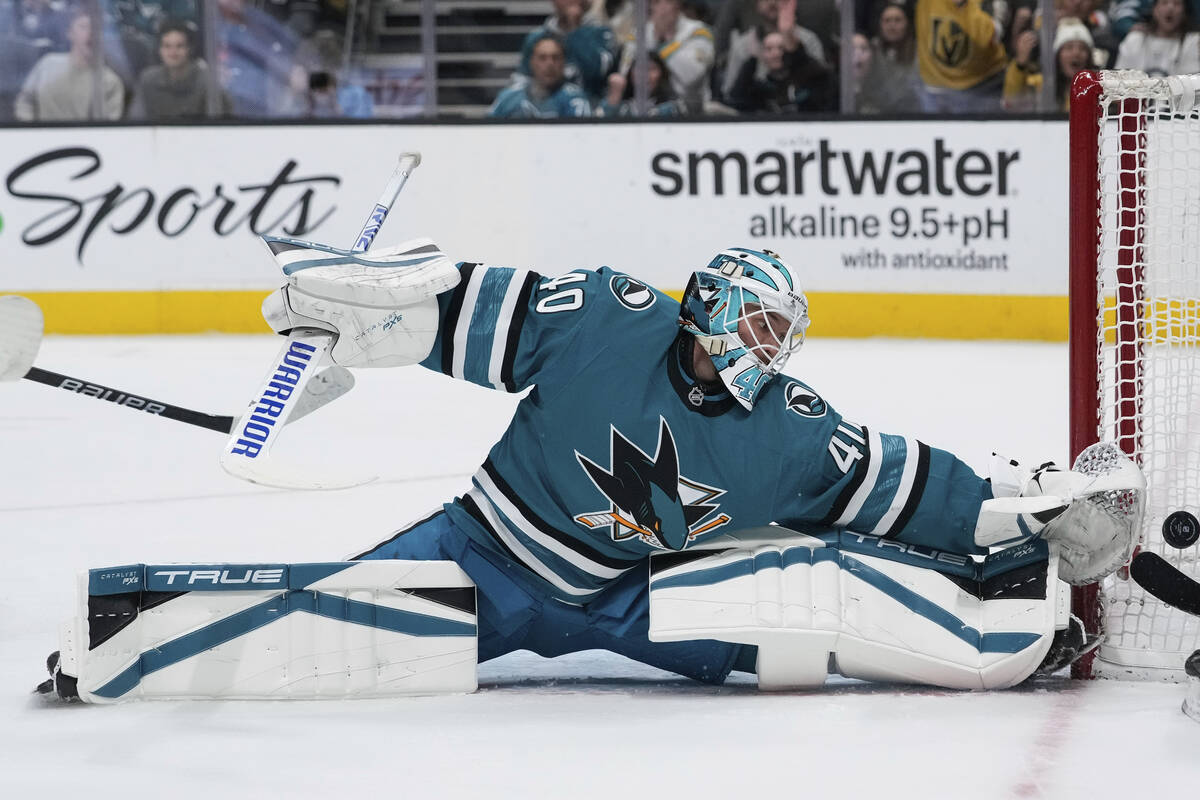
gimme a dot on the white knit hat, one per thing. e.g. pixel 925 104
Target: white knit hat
pixel 1071 29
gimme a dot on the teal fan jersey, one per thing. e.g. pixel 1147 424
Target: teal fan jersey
pixel 616 452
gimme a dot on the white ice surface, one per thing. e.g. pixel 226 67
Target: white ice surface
pixel 84 484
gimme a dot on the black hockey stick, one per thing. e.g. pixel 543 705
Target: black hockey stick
pixel 21 336
pixel 1154 574
pixel 325 386
pixel 136 402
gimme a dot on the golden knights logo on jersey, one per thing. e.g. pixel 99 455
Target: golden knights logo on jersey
pixel 648 497
pixel 949 43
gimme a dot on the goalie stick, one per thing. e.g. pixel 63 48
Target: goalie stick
pixel 1158 577
pixel 247 453
pixel 328 385
pixel 20 339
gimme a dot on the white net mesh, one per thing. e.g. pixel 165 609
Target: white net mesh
pixel 1148 344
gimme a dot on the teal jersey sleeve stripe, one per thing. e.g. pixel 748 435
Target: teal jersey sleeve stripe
pixel 485 321
pixel 892 455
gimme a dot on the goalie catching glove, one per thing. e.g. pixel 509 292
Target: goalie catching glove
pixel 1091 514
pixel 382 304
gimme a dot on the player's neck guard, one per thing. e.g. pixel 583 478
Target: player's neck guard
pixel 709 399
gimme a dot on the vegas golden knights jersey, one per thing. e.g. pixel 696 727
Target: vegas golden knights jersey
pixel 956 45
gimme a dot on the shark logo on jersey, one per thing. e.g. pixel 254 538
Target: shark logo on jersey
pixel 804 401
pixel 633 294
pixel 648 497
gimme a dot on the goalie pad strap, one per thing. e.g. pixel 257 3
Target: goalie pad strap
pixel 357 629
pixel 882 609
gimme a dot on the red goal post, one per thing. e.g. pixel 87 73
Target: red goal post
pixel 1135 336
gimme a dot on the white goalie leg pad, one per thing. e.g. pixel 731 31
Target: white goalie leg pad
pixel 871 608
pixel 272 631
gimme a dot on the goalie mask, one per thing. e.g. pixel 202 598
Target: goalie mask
pixel 747 309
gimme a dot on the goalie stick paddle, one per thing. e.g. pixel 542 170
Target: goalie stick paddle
pixel 247 453
pixel 1158 577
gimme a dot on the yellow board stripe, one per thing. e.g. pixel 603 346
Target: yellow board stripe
pixel 152 312
pixel 834 314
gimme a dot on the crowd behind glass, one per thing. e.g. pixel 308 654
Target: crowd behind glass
pixel 168 60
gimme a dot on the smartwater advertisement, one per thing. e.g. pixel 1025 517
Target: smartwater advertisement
pixel 971 207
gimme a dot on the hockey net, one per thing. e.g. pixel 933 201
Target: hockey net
pixel 1135 335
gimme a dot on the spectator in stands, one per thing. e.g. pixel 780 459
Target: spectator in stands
pixel 745 45
pixel 820 18
pixel 62 86
pixel 256 54
pixel 1023 79
pixel 867 13
pixel 591 48
pixel 823 19
pixel 179 87
pixel 684 45
pixel 28 30
pixel 321 57
pixel 893 78
pixel 1125 15
pixel 41 23
pixel 547 93
pixel 865 77
pixel 321 101
pixel 1168 45
pixel 1104 44
pixel 784 78
pixel 663 102
pixel 960 57
pixel 616 15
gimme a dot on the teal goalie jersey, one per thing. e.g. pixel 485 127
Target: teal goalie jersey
pixel 617 452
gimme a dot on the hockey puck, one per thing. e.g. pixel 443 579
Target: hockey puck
pixel 1180 529
pixel 1192 665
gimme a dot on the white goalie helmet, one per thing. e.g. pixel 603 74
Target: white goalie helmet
pixel 747 309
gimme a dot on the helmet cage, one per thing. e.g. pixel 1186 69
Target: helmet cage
pixel 747 312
